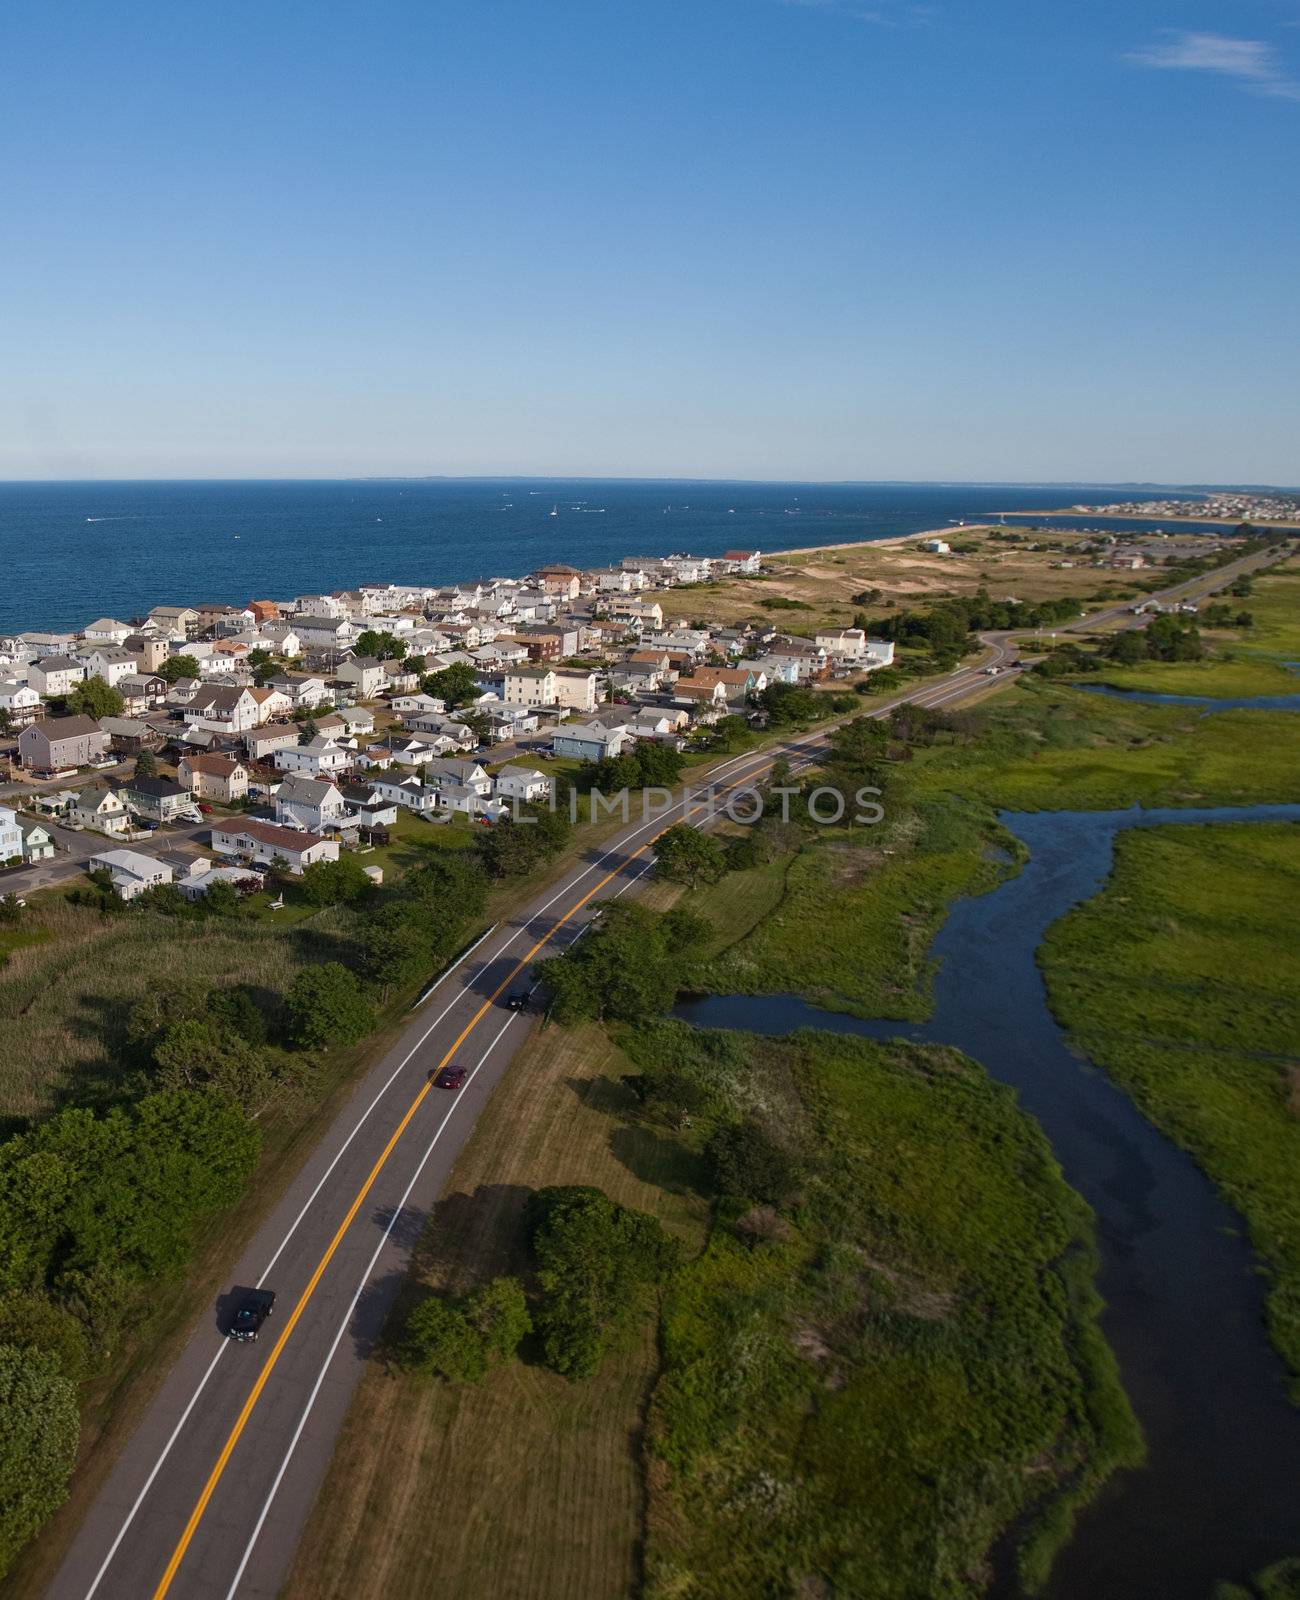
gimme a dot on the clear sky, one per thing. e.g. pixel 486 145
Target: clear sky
pixel 975 239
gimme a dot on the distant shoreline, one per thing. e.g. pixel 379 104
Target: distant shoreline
pixel 1147 516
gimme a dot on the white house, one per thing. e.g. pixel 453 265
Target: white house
pixel 38 842
pixel 20 700
pixel 303 694
pixel 313 804
pixel 259 843
pixel 281 638
pixel 318 758
pixel 521 783
pixel 131 872
pixel 101 810
pixel 418 704
pixel 324 633
pixel 107 631
pixel 576 691
pixel 530 686
pixel 54 676
pixel 111 663
pixel 223 708
pixel 409 793
pixel 364 673
pixel 11 835
pixel 937 547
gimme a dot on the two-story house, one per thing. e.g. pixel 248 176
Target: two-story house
pixel 314 804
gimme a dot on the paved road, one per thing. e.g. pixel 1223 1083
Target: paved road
pixel 209 1497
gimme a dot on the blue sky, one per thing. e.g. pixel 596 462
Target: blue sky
pixel 759 238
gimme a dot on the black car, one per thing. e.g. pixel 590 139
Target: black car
pixel 252 1312
pixel 450 1078
pixel 517 1000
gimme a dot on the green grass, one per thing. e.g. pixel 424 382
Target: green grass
pixel 1182 980
pixel 862 1404
pixel 856 910
pixel 1226 675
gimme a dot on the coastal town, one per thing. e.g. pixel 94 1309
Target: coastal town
pixel 282 731
pixel 1256 509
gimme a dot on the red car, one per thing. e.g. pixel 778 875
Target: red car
pixel 450 1078
pixel 205 809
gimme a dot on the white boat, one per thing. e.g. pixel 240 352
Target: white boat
pixel 555 511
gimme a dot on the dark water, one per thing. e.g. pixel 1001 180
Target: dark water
pixel 1219 1497
pixel 1210 702
pixel 72 552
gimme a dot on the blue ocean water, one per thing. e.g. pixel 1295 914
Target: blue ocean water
pixel 71 552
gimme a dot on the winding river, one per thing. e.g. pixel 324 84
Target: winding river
pixel 1219 1496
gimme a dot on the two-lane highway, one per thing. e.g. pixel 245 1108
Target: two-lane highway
pixel 210 1495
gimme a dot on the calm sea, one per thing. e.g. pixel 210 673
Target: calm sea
pixel 72 552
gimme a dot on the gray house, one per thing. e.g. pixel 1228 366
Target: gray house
pixel 62 742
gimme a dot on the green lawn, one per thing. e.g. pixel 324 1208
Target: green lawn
pixel 910 1363
pixel 1227 675
pixel 1182 980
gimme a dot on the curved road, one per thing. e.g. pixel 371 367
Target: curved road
pixel 209 1497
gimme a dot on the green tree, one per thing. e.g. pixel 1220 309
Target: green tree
pixel 438 1340
pixel 330 883
pixel 146 764
pixel 499 1314
pixel 308 730
pixel 177 667
pixel 456 685
pixel 631 966
pixel 39 1426
pixel 326 1007
pixel 746 1161
pixel 397 949
pixel 29 1319
pixel 595 1259
pixel 94 698
pixel 686 855
pixel 381 646
pixel 263 666
pixel 788 702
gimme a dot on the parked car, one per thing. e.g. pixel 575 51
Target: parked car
pixel 250 1314
pixel 205 808
pixel 450 1078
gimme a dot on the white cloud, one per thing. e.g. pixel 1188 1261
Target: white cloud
pixel 1251 62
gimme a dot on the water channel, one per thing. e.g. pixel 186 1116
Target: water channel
pixel 1219 1496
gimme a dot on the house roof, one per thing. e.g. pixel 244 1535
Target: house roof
pixel 309 790
pixel 159 788
pixel 59 664
pixel 291 840
pixel 58 728
pixel 215 766
pixel 105 624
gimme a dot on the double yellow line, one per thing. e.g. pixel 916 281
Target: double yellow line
pixel 246 1411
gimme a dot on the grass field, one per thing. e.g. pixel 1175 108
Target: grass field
pixel 1182 980
pixel 864 1404
pixel 861 1403
pixel 548 1474
pixel 1227 675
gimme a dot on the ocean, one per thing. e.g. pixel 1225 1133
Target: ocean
pixel 72 552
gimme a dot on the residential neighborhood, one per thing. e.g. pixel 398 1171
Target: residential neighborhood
pixel 295 726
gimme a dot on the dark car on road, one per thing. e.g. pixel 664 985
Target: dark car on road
pixel 517 1000
pixel 251 1313
pixel 450 1078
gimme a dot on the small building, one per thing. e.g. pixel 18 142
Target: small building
pixel 38 842
pixel 55 676
pixel 260 843
pixel 203 874
pixel 315 805
pixel 60 742
pixel 318 758
pixel 128 735
pixel 589 741
pixel 214 777
pixel 131 872
pixel 514 782
pixel 159 799
pixel 107 630
pixel 11 836
pixel 19 701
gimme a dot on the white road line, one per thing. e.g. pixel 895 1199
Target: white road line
pixel 347 1315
